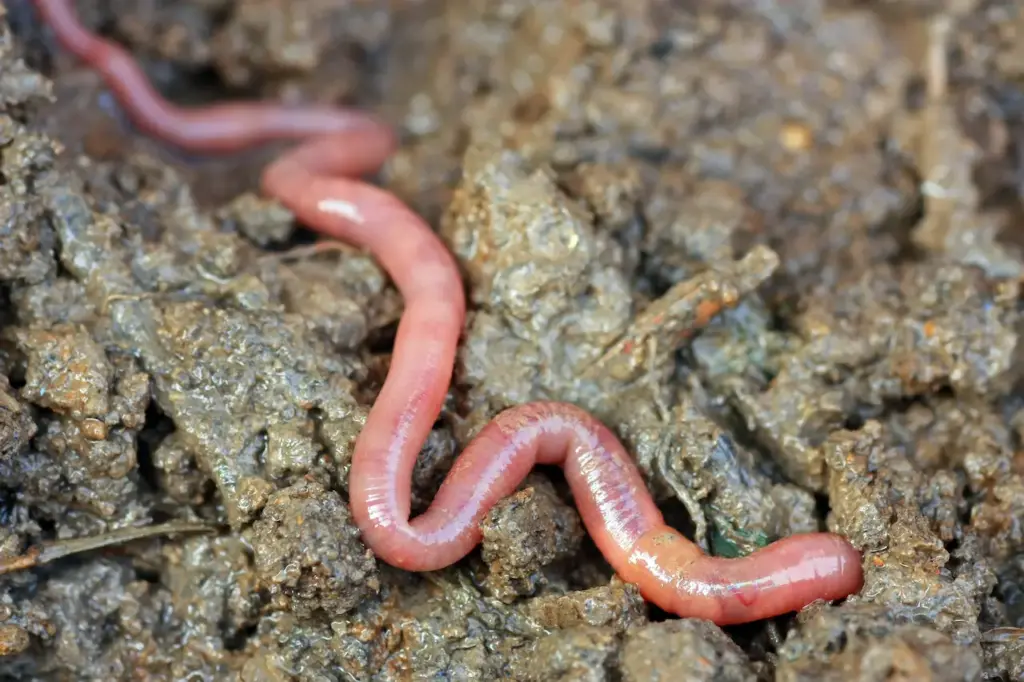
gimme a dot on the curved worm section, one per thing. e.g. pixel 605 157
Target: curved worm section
pixel 609 491
pixel 619 513
pixel 422 360
pixel 610 494
pixel 221 128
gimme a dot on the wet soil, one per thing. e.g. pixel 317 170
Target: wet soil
pixel 775 246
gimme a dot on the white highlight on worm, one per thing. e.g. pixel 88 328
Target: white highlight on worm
pixel 341 208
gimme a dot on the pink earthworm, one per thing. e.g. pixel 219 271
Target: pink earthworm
pixel 221 128
pixel 315 182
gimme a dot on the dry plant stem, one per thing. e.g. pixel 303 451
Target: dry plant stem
pixel 681 313
pixel 315 181
pixel 1001 635
pixel 942 179
pixel 49 552
pixel 938 64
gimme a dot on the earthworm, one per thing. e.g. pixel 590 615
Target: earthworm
pixel 315 182
pixel 220 128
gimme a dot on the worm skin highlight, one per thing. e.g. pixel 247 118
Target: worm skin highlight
pixel 315 181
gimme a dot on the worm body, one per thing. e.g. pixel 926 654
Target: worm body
pixel 616 508
pixel 221 128
pixel 315 181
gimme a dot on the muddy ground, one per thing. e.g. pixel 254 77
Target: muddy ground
pixel 183 389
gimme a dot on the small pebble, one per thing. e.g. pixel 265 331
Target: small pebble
pixel 13 640
pixel 94 429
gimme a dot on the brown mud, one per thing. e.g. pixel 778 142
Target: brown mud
pixel 804 217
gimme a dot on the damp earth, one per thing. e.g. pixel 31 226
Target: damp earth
pixel 183 379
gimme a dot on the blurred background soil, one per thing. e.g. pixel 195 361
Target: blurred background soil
pixel 182 387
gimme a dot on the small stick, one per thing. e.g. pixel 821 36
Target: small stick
pixel 304 252
pixel 51 551
pixel 937 61
pixel 684 310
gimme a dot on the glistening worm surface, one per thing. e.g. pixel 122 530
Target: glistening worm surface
pixel 315 181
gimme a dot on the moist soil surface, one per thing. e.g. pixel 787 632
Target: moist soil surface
pixel 183 379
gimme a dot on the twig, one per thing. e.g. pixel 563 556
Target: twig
pixel 683 311
pixel 1002 635
pixel 49 552
pixel 937 61
pixel 303 252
